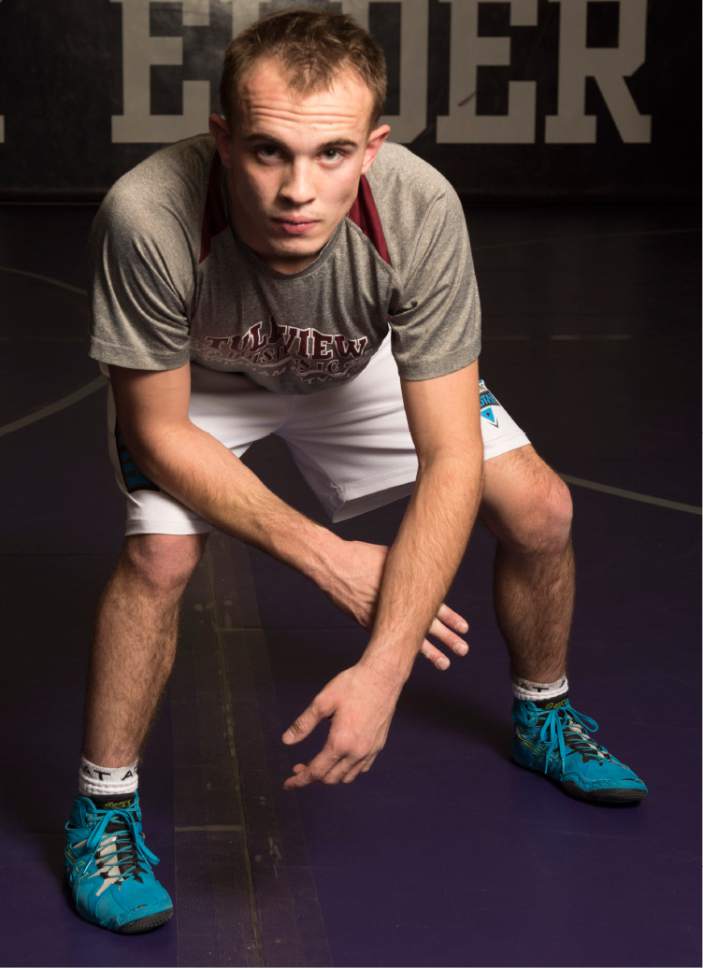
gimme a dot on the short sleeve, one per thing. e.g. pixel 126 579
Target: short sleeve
pixel 141 264
pixel 435 317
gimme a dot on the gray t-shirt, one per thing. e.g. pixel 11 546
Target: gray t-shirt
pixel 173 283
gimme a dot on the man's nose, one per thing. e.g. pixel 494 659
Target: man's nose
pixel 297 187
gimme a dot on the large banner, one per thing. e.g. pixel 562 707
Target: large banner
pixel 508 98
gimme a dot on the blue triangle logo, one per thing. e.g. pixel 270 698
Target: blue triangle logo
pixel 487 412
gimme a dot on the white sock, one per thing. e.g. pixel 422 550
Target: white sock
pixel 535 691
pixel 106 781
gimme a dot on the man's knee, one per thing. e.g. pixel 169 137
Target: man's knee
pixel 164 561
pixel 535 511
pixel 550 517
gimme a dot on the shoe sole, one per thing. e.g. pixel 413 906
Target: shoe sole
pixel 603 796
pixel 146 924
pixel 613 797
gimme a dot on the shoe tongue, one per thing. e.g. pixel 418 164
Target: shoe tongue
pixel 108 804
pixel 555 703
pixel 114 803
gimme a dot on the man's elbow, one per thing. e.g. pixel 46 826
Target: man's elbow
pixel 466 456
pixel 151 445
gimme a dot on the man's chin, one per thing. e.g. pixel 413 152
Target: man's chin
pixel 297 248
pixel 292 258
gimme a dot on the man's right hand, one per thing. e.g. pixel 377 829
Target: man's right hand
pixel 354 584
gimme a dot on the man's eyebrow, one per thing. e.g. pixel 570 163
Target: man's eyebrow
pixel 333 143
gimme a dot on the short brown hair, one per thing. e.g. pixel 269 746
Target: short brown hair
pixel 313 46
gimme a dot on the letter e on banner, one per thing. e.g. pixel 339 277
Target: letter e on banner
pixel 469 51
pixel 139 52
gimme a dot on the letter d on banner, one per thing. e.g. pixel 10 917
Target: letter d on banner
pixel 139 52
pixel 414 20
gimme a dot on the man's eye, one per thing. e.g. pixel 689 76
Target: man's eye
pixel 332 154
pixel 266 151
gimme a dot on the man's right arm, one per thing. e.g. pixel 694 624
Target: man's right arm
pixel 201 473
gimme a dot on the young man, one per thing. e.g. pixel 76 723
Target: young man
pixel 293 272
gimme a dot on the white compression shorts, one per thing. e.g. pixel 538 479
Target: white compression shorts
pixel 351 443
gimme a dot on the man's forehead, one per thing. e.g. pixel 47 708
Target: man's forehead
pixel 266 96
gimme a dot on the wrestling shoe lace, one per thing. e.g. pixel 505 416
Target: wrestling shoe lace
pixel 109 867
pixel 552 738
pixel 118 846
pixel 566 727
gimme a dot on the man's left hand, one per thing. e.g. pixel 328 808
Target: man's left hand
pixel 353 583
pixel 361 703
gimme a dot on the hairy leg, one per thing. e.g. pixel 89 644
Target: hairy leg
pixel 528 508
pixel 134 645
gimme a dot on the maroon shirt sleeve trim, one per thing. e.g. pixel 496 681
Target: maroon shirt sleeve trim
pixel 214 216
pixel 365 214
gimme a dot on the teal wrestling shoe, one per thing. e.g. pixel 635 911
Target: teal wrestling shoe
pixel 551 737
pixel 108 867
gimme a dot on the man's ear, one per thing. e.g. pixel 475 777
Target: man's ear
pixel 376 139
pixel 220 132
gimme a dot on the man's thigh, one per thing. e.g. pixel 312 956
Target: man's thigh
pixel 353 444
pixel 229 407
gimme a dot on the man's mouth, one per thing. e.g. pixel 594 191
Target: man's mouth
pixel 295 226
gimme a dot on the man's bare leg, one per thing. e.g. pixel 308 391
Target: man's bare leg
pixel 534 601
pixel 133 650
pixel 135 643
pixel 528 508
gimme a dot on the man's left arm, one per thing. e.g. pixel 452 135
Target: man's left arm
pixel 444 421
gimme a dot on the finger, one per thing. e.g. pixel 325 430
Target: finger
pixel 354 772
pixel 304 724
pixel 296 769
pixel 315 769
pixel 341 770
pixel 368 762
pixel 452 619
pixel 448 638
pixel 437 658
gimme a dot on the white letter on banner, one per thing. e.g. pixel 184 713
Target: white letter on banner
pixel 196 13
pixel 608 65
pixel 2 123
pixel 469 51
pixel 139 52
pixel 414 28
pixel 244 13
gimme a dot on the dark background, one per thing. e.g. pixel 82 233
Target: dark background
pixel 445 854
pixel 61 82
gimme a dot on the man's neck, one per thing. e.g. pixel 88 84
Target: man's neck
pixel 289 267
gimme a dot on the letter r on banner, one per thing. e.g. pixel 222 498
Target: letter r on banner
pixel 608 66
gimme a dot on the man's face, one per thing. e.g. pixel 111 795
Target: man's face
pixel 294 161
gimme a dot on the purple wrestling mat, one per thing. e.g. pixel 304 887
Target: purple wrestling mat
pixel 445 853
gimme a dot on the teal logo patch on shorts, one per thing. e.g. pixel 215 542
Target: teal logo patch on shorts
pixel 133 477
pixel 487 401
